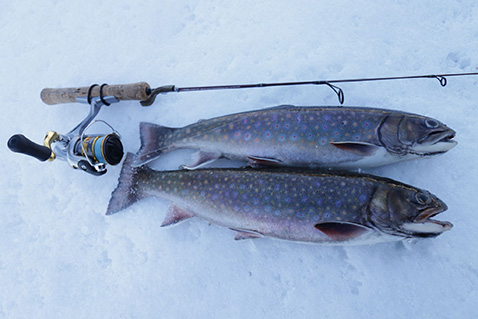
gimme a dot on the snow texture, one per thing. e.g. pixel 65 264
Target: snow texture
pixel 61 257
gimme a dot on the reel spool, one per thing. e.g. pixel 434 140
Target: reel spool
pixel 106 149
pixel 99 150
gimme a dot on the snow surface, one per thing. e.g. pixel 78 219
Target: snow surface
pixel 61 257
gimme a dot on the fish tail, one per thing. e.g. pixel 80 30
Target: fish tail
pixel 127 192
pixel 155 140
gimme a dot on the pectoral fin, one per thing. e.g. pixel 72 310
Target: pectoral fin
pixel 176 215
pixel 358 148
pixel 342 231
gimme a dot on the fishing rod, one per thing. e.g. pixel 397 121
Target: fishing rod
pixel 142 92
pixel 93 152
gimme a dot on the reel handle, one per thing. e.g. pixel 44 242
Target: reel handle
pixel 139 91
pixel 20 144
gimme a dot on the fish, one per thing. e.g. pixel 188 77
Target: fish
pixel 323 207
pixel 312 137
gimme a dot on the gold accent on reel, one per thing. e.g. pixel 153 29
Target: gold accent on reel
pixel 50 138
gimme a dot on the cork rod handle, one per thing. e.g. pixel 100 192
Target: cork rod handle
pixel 139 91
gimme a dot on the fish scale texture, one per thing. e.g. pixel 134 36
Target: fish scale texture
pixel 283 205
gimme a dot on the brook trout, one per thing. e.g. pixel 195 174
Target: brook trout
pixel 328 208
pixel 330 137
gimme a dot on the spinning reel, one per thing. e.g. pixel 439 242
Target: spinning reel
pixel 90 153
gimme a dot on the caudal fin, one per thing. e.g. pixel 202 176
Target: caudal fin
pixel 155 140
pixel 127 192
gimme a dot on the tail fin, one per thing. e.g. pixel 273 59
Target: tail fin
pixel 155 140
pixel 127 191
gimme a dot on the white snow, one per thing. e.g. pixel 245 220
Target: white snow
pixel 61 257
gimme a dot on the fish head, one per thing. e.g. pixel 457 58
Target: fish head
pixel 404 134
pixel 407 212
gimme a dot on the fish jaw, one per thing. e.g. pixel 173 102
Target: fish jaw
pixel 427 228
pixel 434 149
pixel 436 143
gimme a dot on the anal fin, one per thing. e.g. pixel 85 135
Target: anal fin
pixel 246 234
pixel 258 161
pixel 176 215
pixel 201 159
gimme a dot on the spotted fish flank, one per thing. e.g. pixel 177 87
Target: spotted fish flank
pixel 292 205
pixel 331 137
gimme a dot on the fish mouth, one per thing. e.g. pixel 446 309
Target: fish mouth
pixel 442 137
pixel 424 226
pixel 437 142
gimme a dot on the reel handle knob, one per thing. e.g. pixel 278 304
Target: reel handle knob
pixel 139 91
pixel 20 144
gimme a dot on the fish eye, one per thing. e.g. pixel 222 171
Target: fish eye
pixel 430 123
pixel 422 198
